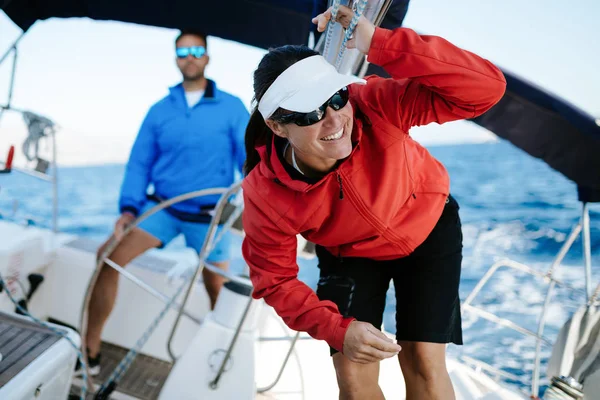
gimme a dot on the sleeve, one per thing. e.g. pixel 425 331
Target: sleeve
pixel 271 255
pixel 432 80
pixel 137 171
pixel 238 133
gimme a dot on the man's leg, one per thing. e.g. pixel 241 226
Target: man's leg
pixel 159 229
pixel 357 381
pixel 105 291
pixel 214 282
pixel 195 235
pixel 424 369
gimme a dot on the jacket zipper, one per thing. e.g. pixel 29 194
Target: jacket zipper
pixel 339 179
pixel 363 210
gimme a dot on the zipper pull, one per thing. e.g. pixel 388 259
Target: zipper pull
pixel 339 179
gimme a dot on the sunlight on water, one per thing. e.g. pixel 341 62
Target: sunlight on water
pixel 511 206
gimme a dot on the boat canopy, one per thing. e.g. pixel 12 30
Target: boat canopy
pixel 540 123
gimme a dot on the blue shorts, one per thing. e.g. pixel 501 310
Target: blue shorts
pixel 165 227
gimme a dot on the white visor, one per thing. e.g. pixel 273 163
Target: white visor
pixel 304 87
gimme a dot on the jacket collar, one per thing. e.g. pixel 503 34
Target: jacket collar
pixel 177 93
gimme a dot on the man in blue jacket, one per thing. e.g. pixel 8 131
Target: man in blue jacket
pixel 190 140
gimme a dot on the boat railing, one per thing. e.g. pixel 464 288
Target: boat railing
pixel 40 172
pixel 212 237
pixel 582 227
pixel 48 128
pixel 496 373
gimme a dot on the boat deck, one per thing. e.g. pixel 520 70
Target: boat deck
pixel 21 342
pixel 143 380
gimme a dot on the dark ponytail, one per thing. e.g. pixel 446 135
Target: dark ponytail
pixel 257 133
pixel 270 67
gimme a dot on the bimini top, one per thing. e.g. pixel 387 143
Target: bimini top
pixel 540 123
pixel 551 129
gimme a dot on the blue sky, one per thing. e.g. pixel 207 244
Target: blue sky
pixel 97 79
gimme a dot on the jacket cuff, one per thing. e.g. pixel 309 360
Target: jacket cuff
pixel 340 333
pixel 130 209
pixel 376 52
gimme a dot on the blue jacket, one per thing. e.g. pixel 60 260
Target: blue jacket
pixel 181 149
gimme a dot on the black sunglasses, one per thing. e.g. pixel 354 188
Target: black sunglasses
pixel 337 102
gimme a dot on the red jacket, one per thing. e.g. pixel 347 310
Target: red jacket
pixel 383 200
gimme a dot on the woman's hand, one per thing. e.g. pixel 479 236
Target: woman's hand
pixel 365 344
pixel 363 32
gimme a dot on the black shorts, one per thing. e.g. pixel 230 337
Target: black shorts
pixel 426 283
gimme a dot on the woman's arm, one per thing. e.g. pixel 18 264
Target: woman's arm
pixel 271 255
pixel 433 80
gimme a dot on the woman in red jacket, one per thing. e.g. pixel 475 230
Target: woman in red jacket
pixel 330 158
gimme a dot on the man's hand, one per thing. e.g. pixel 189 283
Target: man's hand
pixel 365 344
pixel 363 32
pixel 122 223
